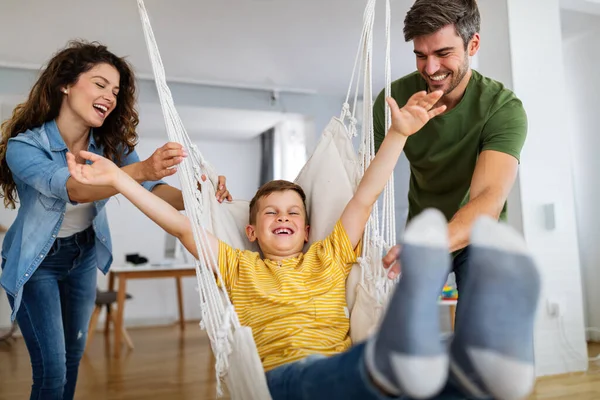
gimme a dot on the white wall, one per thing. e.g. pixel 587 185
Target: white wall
pixel 535 53
pixel 494 34
pixel 580 46
pixel 528 58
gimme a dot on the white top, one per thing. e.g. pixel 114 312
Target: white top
pixel 77 218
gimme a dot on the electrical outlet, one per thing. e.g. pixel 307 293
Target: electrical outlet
pixel 553 309
pixel 556 306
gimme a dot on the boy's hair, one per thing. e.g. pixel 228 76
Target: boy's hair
pixel 428 16
pixel 271 187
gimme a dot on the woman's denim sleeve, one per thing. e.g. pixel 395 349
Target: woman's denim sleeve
pixel 34 167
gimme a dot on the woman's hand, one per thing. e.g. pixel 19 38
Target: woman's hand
pixel 163 162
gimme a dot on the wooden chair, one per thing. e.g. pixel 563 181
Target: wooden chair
pixel 106 299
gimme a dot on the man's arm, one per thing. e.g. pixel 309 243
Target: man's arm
pixel 494 175
pixel 503 137
pixel 405 122
pixel 493 178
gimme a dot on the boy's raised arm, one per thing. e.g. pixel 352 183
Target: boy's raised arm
pixel 405 122
pixel 103 172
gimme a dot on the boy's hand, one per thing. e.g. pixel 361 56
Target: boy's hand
pixel 416 113
pixel 222 191
pixel 102 171
pixel 391 262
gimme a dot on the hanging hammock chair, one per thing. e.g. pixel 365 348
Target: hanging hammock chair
pixel 329 178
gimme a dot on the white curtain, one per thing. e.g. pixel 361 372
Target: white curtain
pixel 289 149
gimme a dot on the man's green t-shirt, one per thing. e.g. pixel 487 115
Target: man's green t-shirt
pixel 443 153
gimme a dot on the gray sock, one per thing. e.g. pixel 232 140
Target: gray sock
pixel 407 356
pixel 492 349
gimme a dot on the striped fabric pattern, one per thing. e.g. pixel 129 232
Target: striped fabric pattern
pixel 297 306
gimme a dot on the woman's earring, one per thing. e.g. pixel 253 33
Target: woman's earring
pixel 65 91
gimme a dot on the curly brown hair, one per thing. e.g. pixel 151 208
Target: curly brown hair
pixel 117 134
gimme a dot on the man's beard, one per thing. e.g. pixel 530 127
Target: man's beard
pixel 458 77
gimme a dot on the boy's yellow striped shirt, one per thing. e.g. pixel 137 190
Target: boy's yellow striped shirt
pixel 295 307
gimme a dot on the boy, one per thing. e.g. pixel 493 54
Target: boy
pixel 294 301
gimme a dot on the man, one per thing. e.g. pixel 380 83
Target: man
pixel 465 161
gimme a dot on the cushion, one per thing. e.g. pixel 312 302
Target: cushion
pixel 329 178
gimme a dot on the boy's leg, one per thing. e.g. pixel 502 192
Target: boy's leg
pixel 492 349
pixel 497 362
pixel 406 356
pixel 409 330
pixel 343 376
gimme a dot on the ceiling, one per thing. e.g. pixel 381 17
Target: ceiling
pixel 576 23
pixel 300 46
pixel 583 6
pixel 304 46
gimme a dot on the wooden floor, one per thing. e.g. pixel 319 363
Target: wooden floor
pixel 167 364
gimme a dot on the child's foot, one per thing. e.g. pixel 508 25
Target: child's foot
pixel 492 349
pixel 407 356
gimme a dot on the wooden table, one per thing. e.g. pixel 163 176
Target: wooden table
pixel 124 273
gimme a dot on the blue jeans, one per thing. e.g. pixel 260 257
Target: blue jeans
pixel 343 376
pixel 57 304
pixel 460 269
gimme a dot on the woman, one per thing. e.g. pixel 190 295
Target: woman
pixel 84 99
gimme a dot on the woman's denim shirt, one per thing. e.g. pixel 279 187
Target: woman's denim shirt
pixel 38 162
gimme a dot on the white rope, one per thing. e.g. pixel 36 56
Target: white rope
pixel 389 214
pixel 219 317
pixel 380 232
pixel 213 299
pixel 369 11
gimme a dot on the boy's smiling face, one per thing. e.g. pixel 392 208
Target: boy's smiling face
pixel 280 225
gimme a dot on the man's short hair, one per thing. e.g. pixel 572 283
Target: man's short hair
pixel 428 16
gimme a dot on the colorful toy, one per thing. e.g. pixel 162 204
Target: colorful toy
pixel 449 293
